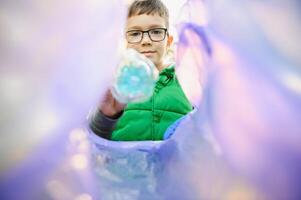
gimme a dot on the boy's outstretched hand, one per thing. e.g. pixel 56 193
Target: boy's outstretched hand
pixel 110 107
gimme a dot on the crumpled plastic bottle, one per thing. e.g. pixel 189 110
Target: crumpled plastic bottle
pixel 135 78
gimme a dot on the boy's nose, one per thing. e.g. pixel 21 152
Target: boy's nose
pixel 145 38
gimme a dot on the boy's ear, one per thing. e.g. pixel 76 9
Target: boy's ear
pixel 169 40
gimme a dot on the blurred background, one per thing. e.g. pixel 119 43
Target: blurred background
pixel 238 62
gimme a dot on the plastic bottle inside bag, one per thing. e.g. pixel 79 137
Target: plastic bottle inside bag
pixel 135 78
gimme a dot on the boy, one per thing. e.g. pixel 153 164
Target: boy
pixel 147 32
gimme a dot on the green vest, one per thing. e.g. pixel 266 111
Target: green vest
pixel 149 120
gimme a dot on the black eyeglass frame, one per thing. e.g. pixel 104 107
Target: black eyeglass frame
pixel 149 36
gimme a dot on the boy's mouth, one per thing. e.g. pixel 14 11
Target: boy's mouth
pixel 148 53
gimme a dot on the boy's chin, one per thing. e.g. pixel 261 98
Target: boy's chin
pixel 151 58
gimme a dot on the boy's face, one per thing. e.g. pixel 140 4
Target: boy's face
pixel 153 50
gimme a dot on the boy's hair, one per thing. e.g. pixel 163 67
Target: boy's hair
pixel 149 7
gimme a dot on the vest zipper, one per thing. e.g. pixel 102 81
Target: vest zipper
pixel 153 116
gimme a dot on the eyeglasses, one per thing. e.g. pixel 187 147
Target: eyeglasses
pixel 155 35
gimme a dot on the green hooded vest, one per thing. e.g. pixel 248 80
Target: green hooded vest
pixel 149 120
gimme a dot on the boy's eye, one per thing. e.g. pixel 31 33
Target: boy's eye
pixel 156 32
pixel 134 33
